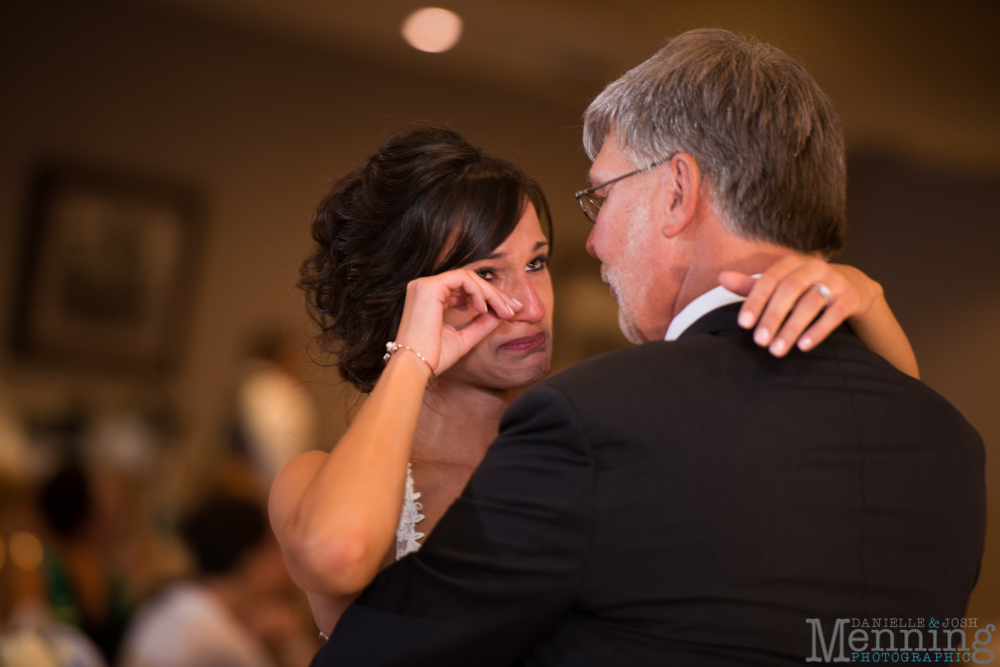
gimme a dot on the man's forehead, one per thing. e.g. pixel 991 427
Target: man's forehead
pixel 609 161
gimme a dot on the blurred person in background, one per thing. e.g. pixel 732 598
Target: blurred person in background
pixel 31 633
pixel 236 612
pixel 438 247
pixel 85 588
pixel 275 415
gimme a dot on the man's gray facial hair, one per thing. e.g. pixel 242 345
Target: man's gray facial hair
pixel 626 317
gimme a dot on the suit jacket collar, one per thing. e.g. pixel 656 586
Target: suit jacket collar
pixel 724 319
pixel 720 319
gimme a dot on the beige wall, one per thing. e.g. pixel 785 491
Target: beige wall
pixel 260 126
pixel 930 234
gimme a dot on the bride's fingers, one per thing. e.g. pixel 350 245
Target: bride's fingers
pixel 739 283
pixel 458 299
pixel 844 302
pixel 788 292
pixel 799 288
pixel 456 341
pixel 806 309
pixel 485 296
pixel 823 327
pixel 476 330
pixel 760 289
pixel 785 297
pixel 503 304
pixel 472 297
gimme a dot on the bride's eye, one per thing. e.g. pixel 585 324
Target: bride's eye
pixel 537 264
pixel 486 274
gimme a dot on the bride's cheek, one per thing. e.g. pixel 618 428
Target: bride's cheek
pixel 456 317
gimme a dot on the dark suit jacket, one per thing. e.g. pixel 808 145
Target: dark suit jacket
pixel 690 503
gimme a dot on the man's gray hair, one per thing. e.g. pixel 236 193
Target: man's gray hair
pixel 764 135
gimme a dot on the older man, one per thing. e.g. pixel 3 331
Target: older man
pixel 697 501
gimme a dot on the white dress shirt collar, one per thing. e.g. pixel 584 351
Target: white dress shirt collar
pixel 716 297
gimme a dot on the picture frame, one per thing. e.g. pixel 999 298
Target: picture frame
pixel 108 271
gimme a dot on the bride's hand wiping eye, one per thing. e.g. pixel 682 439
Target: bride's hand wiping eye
pixel 447 314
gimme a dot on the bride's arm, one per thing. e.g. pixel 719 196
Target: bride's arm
pixel 784 293
pixel 335 515
pixel 333 530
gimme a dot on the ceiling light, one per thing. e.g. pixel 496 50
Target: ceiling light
pixel 432 29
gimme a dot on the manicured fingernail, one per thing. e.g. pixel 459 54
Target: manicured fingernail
pixel 746 319
pixel 761 336
pixel 805 343
pixel 778 347
pixel 516 301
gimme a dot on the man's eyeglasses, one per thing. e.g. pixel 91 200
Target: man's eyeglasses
pixel 591 203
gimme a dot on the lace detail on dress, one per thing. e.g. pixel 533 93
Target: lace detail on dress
pixel 406 534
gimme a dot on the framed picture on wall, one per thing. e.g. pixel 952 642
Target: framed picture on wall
pixel 108 267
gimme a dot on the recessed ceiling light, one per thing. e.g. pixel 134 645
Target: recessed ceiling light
pixel 432 29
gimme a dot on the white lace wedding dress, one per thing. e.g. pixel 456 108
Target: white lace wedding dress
pixel 406 533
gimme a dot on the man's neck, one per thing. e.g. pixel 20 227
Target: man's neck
pixel 720 252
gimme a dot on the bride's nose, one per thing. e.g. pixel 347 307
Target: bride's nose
pixel 525 291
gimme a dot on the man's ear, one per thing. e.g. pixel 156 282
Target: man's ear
pixel 681 183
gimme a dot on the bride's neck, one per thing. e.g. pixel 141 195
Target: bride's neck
pixel 458 422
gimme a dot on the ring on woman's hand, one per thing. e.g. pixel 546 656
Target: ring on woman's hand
pixel 824 292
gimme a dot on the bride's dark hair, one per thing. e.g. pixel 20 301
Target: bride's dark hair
pixel 427 201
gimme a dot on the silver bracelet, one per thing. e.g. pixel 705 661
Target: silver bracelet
pixel 392 346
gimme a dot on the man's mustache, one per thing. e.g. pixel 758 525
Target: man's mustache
pixel 609 280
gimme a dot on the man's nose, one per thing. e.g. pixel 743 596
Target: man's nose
pixel 590 242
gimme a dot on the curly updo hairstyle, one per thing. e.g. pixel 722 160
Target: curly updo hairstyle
pixel 426 202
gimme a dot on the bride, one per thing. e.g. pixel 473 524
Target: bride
pixel 443 251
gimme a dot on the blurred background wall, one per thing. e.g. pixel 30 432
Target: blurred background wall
pixel 254 106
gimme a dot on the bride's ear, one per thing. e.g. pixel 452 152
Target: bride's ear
pixel 680 183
